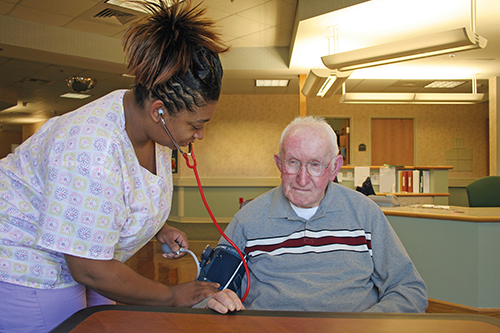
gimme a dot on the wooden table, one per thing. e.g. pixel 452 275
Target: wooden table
pixel 122 318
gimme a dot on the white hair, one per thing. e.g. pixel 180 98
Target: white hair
pixel 314 122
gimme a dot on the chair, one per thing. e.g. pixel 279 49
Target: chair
pixel 484 192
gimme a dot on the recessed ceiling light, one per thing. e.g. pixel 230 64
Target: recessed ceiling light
pixel 444 84
pixel 74 95
pixel 271 83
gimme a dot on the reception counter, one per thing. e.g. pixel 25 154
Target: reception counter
pixel 455 249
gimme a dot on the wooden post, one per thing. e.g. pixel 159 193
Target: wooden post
pixel 302 98
pixel 494 119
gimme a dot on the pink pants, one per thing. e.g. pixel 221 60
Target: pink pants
pixel 24 309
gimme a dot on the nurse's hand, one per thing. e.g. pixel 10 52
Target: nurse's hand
pixel 224 301
pixel 173 238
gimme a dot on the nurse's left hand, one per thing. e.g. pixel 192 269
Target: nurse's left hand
pixel 173 237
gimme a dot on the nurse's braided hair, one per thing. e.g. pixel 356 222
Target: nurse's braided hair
pixel 173 55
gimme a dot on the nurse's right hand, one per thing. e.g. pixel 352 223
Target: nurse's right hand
pixel 191 293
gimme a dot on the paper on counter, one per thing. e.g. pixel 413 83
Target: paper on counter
pixel 360 175
pixel 387 180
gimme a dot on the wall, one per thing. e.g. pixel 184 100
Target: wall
pixel 7 139
pixel 243 136
pixel 436 128
pixel 31 129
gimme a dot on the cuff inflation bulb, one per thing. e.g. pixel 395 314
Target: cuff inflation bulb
pixel 166 249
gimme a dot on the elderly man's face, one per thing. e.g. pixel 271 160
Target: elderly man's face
pixel 302 189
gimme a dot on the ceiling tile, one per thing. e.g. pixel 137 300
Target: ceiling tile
pixel 61 7
pixel 5 7
pixel 232 6
pixel 237 26
pixel 35 15
pixel 273 13
pixel 95 27
pixel 270 37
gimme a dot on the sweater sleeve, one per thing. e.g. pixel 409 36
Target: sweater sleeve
pixel 401 288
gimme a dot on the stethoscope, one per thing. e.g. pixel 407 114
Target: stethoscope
pixel 193 166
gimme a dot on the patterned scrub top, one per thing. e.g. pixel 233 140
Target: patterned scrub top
pixel 76 187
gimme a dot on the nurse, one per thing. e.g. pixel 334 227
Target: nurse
pixel 91 187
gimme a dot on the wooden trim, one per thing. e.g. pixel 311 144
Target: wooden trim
pixel 403 167
pixel 437 306
pixel 443 216
pixel 189 219
pixel 302 98
pixel 228 182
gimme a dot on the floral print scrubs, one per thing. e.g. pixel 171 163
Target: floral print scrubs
pixel 76 187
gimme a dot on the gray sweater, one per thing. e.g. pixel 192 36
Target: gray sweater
pixel 345 258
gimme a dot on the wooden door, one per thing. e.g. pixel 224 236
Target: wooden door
pixel 391 141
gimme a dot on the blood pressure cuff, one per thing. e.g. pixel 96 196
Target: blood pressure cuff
pixel 224 266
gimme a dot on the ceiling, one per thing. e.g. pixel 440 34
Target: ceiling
pixel 44 42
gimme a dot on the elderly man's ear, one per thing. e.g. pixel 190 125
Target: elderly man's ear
pixel 337 164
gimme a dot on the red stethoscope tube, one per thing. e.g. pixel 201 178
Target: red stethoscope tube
pixel 193 166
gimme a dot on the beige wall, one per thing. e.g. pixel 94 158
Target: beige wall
pixel 7 139
pixel 30 129
pixel 243 136
pixel 436 128
pixel 244 133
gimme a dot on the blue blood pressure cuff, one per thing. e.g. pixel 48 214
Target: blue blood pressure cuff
pixel 224 266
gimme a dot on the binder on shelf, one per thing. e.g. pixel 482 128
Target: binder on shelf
pixel 416 181
pixel 426 181
pixel 409 181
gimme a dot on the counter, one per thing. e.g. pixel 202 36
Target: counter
pixel 456 250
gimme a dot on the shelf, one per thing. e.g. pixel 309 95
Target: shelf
pixel 406 194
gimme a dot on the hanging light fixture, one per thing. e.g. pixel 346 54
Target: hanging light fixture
pixel 452 41
pixel 323 82
pixel 411 98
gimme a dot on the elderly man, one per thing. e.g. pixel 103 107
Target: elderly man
pixel 315 245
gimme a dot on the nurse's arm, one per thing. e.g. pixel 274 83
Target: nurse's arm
pixel 115 280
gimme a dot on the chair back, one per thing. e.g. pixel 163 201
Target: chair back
pixel 484 192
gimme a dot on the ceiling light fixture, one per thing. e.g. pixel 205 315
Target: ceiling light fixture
pixel 452 41
pixel 75 95
pixel 80 84
pixel 444 84
pixel 271 83
pixel 411 98
pixel 323 82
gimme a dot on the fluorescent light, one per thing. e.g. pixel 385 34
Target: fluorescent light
pixel 444 84
pixel 74 95
pixel 415 48
pixel 411 98
pixel 133 5
pixel 323 82
pixel 271 83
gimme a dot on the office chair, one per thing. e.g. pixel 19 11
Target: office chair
pixel 484 192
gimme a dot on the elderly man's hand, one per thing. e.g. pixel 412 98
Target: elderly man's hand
pixel 224 301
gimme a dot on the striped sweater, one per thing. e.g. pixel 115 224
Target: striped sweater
pixel 345 258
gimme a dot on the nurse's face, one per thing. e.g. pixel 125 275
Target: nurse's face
pixel 302 189
pixel 189 126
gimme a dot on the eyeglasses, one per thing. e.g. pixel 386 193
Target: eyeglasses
pixel 314 168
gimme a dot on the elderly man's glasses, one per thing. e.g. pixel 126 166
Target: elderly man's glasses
pixel 314 168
